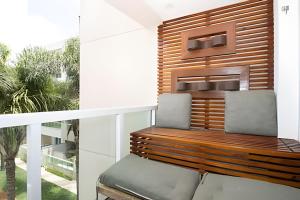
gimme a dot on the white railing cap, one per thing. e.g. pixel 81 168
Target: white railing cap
pixel 10 120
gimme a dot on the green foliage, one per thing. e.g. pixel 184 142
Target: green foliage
pixel 7 86
pixel 30 86
pixel 7 82
pixel 71 62
pixel 4 54
pixel 63 100
pixel 58 173
pixel 39 91
pixel 53 124
pixel 35 68
pixel 43 61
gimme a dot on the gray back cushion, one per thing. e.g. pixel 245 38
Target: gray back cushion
pixel 174 111
pixel 251 112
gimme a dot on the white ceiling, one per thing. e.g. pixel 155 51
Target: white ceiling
pixel 153 12
pixel 169 9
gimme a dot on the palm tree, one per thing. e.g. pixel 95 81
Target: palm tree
pixel 10 138
pixel 5 84
pixel 10 141
pixel 29 88
pixel 5 88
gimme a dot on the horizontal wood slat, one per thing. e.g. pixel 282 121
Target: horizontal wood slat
pixel 254 48
pixel 259 157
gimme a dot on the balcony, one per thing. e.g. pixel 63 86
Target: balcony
pixel 131 52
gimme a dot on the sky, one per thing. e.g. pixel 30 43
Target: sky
pixel 26 23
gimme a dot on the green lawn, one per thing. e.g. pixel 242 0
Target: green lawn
pixel 49 190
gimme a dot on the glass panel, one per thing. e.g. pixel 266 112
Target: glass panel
pixel 98 146
pixel 58 170
pixel 97 152
pixel 133 122
pixel 58 160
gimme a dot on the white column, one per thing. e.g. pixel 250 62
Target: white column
pixel 34 162
pixel 287 66
pixel 119 133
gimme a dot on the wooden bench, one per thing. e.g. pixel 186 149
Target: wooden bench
pixel 258 157
pixel 206 147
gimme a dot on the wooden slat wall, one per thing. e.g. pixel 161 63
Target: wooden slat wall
pixel 254 29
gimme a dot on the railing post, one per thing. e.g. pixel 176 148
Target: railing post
pixel 34 162
pixel 152 117
pixel 119 133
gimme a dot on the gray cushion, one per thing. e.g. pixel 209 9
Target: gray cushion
pixel 220 187
pixel 174 111
pixel 151 179
pixel 251 112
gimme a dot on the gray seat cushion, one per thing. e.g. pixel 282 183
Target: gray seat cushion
pixel 150 179
pixel 221 187
pixel 251 112
pixel 174 111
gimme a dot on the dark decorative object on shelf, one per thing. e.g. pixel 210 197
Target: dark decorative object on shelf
pixel 202 42
pixel 207 86
pixel 181 86
pixel 194 44
pixel 213 41
pixel 218 40
pixel 228 85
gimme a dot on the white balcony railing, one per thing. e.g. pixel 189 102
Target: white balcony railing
pixel 34 121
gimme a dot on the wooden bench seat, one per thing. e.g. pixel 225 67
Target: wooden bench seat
pixel 258 157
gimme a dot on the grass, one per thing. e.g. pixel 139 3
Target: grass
pixel 50 191
pixel 53 124
pixel 57 173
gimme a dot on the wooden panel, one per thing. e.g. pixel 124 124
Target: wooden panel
pixel 206 75
pixel 258 157
pixel 254 48
pixel 226 28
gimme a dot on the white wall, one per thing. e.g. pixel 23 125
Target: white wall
pixel 287 67
pixel 118 68
pixel 118 58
